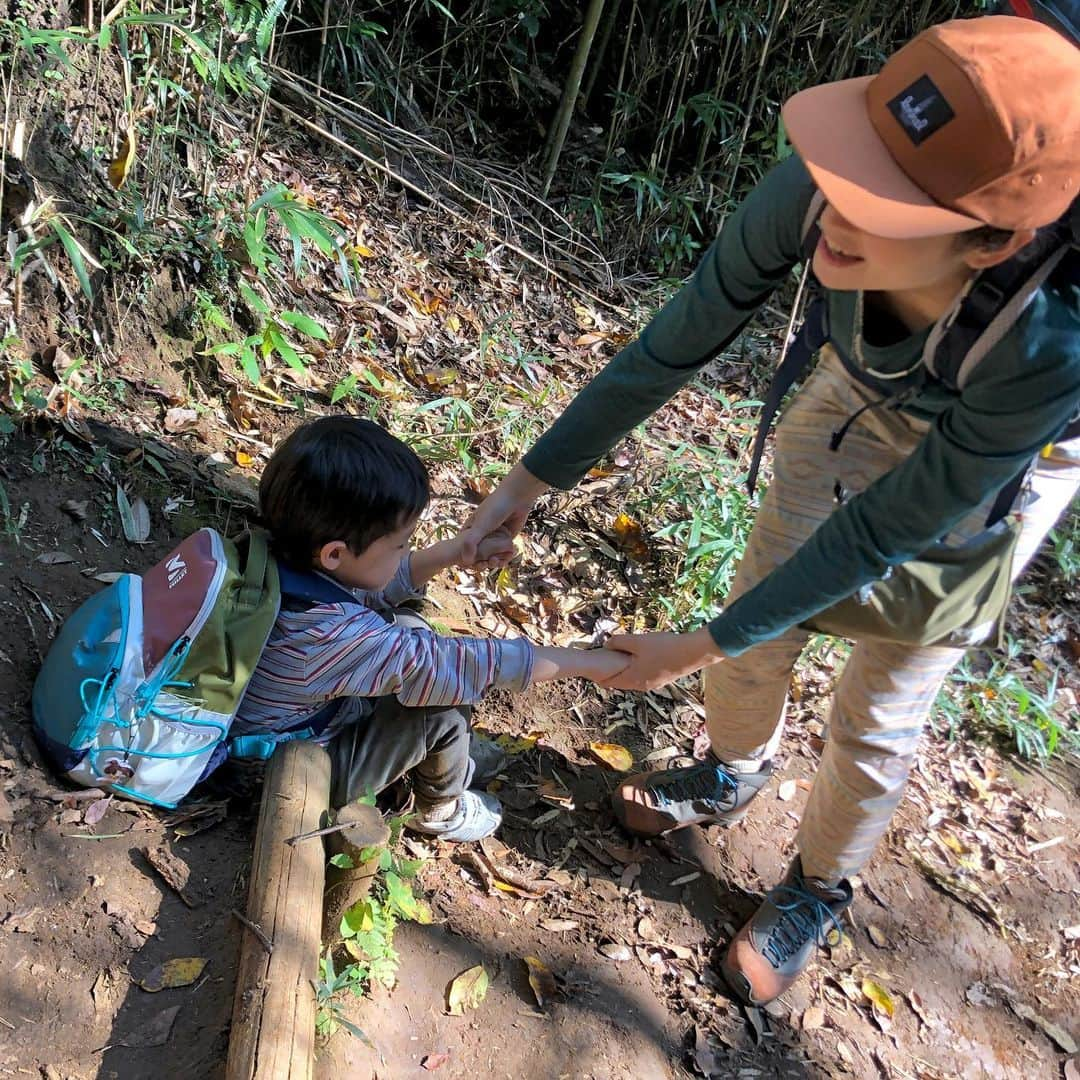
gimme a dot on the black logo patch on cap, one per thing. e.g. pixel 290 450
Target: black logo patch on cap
pixel 921 110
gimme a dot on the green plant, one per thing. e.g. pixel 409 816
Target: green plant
pixel 273 336
pixel 56 227
pixel 301 222
pixel 1065 541
pixel 367 932
pixel 1000 702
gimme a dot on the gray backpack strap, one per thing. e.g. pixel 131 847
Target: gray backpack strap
pixel 1007 317
pixel 810 230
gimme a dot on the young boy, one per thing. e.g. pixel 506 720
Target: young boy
pixel 375 684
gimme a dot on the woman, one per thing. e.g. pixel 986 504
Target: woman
pixel 944 164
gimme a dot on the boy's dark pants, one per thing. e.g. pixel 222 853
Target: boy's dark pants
pixel 430 741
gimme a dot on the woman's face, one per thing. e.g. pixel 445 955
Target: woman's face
pixel 848 258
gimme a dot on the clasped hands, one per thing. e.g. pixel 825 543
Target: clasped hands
pixel 655 659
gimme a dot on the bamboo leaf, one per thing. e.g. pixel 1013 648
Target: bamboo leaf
pixel 75 254
pixel 305 325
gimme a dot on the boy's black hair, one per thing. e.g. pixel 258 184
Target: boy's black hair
pixel 339 478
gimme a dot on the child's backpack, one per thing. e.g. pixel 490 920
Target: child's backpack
pixel 140 687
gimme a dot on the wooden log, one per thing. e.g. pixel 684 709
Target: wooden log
pixel 347 885
pixel 273 1027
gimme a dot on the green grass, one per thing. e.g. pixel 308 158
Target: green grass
pixel 1000 702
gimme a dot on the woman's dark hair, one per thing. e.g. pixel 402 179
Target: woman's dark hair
pixel 339 478
pixel 986 236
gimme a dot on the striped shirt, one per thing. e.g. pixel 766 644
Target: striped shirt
pixel 332 651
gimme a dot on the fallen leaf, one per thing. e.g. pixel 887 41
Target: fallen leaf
pixel 120 166
pixel 134 517
pixel 786 791
pixel 181 971
pixel 557 926
pixel 93 814
pixel 244 459
pixel 616 952
pixel 879 997
pixel 541 980
pixel 431 1062
pixel 467 990
pixel 1055 1032
pixel 1072 1069
pixel 613 755
pixel 705 1058
pixel 178 420
pixel 845 1053
pixel 646 928
pixel 877 936
pixel 629 537
pixel 75 508
pixel 517 890
pixel 518 744
pixel 560 877
pixel 813 1018
pixel 108 576
pixel 154 1033
pixel 55 558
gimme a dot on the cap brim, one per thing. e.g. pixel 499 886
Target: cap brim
pixel 830 127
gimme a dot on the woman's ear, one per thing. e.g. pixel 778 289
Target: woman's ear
pixel 980 258
pixel 329 556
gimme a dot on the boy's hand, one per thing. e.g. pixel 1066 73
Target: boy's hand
pixel 603 664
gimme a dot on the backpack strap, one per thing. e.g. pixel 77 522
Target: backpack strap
pixel 802 349
pixel 253 587
pixel 986 311
pixel 813 333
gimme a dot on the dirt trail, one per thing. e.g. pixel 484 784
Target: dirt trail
pixel 83 918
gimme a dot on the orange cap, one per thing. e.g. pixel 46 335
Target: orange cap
pixel 974 122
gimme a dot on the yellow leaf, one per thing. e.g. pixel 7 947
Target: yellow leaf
pixel 363 251
pixel 467 990
pixel 629 537
pixel 453 322
pixel 1039 666
pixel 121 166
pixel 541 980
pixel 520 745
pixel 182 971
pixel 244 459
pixel 878 997
pixel 613 755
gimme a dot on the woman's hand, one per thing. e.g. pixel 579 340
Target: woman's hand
pixel 658 659
pixel 501 515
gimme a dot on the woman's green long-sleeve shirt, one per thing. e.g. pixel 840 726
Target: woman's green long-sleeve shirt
pixel 1019 398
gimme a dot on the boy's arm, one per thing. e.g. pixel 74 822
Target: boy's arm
pixel 370 658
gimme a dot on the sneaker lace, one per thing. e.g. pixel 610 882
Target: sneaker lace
pixel 709 782
pixel 805 917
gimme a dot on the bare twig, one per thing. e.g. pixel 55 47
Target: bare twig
pixel 257 930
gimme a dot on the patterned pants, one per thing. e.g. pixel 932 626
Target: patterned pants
pixel 886 690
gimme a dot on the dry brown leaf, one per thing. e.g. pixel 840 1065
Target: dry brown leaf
pixel 877 936
pixel 630 538
pixel 613 755
pixel 786 791
pixel 120 166
pixel 179 420
pixel 431 1062
pixel 541 980
pixel 813 1018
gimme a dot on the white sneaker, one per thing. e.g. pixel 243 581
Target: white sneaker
pixel 478 814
